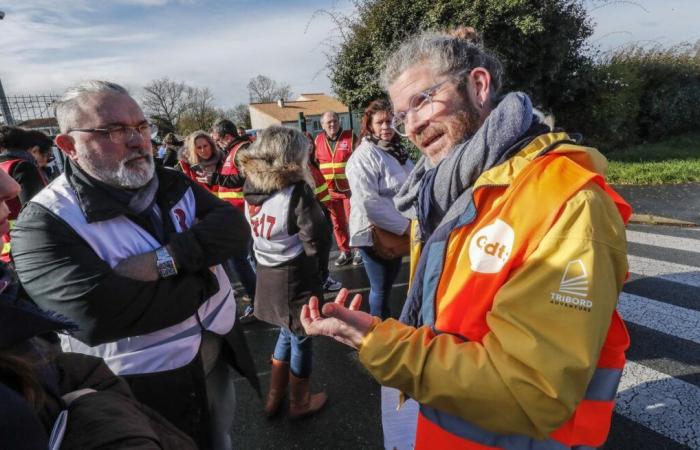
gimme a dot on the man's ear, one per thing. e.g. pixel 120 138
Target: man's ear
pixel 66 143
pixel 481 82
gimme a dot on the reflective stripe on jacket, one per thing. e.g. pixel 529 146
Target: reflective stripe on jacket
pixel 320 185
pixel 332 161
pixel 232 195
pixel 521 346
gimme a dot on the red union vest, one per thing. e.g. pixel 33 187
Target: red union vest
pixel 332 162
pixel 476 279
pixel 320 185
pixel 232 195
pixel 14 206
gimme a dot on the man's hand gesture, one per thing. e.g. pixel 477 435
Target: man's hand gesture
pixel 346 325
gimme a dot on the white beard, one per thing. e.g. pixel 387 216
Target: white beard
pixel 120 175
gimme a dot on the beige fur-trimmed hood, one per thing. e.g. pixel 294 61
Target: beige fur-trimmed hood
pixel 265 176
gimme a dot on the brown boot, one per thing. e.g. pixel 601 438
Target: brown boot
pixel 301 401
pixel 278 384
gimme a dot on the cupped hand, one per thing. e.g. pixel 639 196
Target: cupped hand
pixel 344 324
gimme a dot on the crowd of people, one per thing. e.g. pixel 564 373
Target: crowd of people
pixel 118 319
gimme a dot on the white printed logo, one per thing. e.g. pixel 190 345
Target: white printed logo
pixel 573 288
pixel 491 247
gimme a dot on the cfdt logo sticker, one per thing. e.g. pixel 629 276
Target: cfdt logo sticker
pixel 491 247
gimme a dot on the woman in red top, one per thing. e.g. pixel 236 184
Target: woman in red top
pixel 201 158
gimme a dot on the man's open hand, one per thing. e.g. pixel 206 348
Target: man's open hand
pixel 346 325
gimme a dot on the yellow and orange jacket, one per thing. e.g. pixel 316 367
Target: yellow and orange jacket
pixel 332 161
pixel 518 339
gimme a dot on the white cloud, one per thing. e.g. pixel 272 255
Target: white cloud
pixel 39 55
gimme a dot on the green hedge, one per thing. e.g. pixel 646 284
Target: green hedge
pixel 638 95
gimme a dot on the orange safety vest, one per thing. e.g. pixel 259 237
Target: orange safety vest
pixel 320 185
pixel 458 296
pixel 232 195
pixel 14 206
pixel 332 162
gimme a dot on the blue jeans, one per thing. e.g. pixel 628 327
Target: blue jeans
pixel 296 351
pixel 381 273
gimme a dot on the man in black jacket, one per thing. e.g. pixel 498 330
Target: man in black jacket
pixel 133 255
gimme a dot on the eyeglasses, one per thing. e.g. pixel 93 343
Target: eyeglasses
pixel 123 134
pixel 420 103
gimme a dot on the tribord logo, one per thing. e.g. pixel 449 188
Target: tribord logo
pixel 573 288
pixel 491 247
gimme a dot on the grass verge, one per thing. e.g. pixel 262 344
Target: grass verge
pixel 672 161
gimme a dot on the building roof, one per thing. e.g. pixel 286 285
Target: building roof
pixel 309 104
pixel 46 122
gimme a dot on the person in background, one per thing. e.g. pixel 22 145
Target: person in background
pixel 242 133
pixel 510 336
pixel 230 181
pixel 333 148
pixel 17 161
pixel 41 148
pixel 323 196
pixel 173 145
pixel 132 254
pixel 201 159
pixel 289 232
pixel 376 171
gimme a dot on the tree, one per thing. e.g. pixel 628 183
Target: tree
pixel 541 43
pixel 262 89
pixel 239 114
pixel 199 113
pixel 165 101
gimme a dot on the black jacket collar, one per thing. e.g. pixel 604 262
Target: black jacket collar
pixel 99 204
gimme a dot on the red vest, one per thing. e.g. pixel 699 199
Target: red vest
pixel 332 162
pixel 14 206
pixel 232 195
pixel 320 186
pixel 465 294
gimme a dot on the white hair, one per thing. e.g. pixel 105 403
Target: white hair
pixel 69 105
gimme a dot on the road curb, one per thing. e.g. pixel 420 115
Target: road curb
pixel 650 219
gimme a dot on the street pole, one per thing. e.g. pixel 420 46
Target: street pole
pixel 4 107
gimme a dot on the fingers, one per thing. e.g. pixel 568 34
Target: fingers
pixel 356 302
pixel 305 318
pixel 342 296
pixel 314 313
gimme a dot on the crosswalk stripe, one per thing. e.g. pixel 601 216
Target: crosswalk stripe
pixel 668 319
pixel 660 240
pixel 678 273
pixel 660 402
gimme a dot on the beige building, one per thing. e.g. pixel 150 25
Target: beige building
pixel 286 113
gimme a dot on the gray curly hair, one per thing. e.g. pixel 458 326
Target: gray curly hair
pixel 453 53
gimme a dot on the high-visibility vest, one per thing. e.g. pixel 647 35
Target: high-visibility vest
pixel 14 206
pixel 332 161
pixel 460 296
pixel 232 195
pixel 320 185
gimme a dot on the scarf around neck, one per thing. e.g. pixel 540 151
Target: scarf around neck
pixel 393 147
pixel 435 194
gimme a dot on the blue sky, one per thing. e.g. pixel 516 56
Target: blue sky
pixel 47 45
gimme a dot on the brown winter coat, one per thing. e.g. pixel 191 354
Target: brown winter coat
pixel 282 290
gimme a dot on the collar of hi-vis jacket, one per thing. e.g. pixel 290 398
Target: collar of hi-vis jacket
pixel 418 308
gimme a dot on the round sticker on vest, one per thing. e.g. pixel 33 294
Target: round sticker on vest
pixel 491 247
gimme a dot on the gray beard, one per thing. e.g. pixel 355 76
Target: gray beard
pixel 121 176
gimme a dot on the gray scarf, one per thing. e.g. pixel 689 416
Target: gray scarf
pixel 488 147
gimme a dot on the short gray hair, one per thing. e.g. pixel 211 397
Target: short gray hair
pixel 332 113
pixel 67 107
pixel 453 53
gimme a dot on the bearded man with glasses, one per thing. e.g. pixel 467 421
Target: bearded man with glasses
pixel 132 254
pixel 509 338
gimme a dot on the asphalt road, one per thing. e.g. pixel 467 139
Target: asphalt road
pixel 659 397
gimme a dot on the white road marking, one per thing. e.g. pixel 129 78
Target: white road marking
pixel 669 319
pixel 660 240
pixel 667 405
pixel 678 273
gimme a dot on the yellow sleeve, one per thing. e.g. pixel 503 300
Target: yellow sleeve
pixel 533 367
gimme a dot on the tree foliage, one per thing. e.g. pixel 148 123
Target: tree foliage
pixel 175 106
pixel 262 89
pixel 540 42
pixel 239 114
